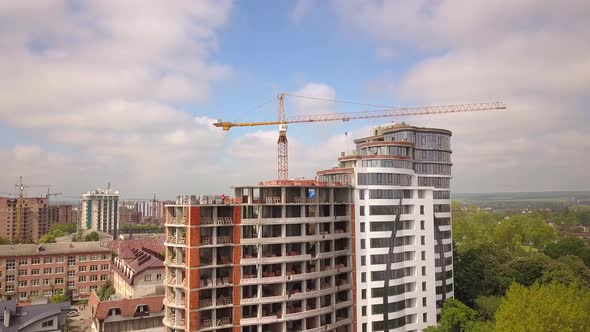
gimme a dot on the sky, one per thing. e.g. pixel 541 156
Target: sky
pixel 125 92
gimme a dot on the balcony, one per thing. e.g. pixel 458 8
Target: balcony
pixel 224 221
pixel 226 239
pixel 205 303
pixel 175 240
pixel 206 221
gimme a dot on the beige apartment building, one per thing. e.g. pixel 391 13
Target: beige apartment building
pixel 29 270
pixel 138 273
pixel 34 218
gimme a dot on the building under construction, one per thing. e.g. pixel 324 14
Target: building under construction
pixel 277 257
pixel 24 219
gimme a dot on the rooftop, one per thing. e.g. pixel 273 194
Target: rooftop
pixel 128 307
pixel 137 260
pixel 61 248
pixel 21 317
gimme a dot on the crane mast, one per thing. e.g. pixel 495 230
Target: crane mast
pixel 283 121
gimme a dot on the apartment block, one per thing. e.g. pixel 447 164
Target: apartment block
pixel 29 270
pixel 32 213
pixel 401 175
pixel 276 257
pixel 138 272
pixel 100 211
pixel 62 214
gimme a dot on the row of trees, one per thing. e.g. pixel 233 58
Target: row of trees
pixel 59 230
pixel 512 274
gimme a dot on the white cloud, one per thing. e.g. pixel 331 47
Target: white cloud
pixel 323 104
pixel 102 81
pixel 300 10
pixel 533 55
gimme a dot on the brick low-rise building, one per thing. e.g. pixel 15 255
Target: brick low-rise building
pixel 29 270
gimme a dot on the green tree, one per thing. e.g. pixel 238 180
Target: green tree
pixel 487 306
pixel 4 240
pixel 92 237
pixel 567 270
pixel 59 297
pixel 530 269
pixel 481 271
pixel 544 308
pixel 105 292
pixel 455 316
pixel 569 246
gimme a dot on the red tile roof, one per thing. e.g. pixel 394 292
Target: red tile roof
pixel 100 309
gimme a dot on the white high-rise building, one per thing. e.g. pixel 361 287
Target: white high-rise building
pixel 403 240
pixel 100 211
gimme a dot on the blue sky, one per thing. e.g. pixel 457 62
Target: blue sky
pixel 126 91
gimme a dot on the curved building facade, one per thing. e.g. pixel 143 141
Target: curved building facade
pixel 401 176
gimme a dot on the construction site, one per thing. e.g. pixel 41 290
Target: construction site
pixel 364 246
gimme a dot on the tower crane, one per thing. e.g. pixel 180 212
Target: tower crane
pixel 19 205
pixel 283 120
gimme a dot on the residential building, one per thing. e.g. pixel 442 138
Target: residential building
pixel 401 176
pixel 100 211
pixel 62 214
pixel 32 213
pixel 277 257
pixel 117 315
pixel 138 273
pixel 33 318
pixel 28 270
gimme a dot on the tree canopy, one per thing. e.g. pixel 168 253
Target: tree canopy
pixel 544 308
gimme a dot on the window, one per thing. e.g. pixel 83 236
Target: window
pixel 423 255
pixel 423 301
pixel 363 277
pixel 384 179
pixel 71 284
pixel 105 257
pixel 82 279
pixel 10 264
pixel 81 268
pixel 9 288
pixel 10 278
pixel 424 317
pixel 59 269
pixel 22 273
pixel 46 282
pixel 422 209
pixel 424 286
pixel 361 194
pixel 93 277
pixel 363 260
pixel 104 277
pixel 34 293
pixel 362 211
pixel 93 258
pixel 23 261
pixel 104 267
pixel 71 260
pixel 48 323
pixel 381 210
pixel 364 310
pixel 71 273
pixel 22 283
pixel 83 290
pixel 364 294
pixel 93 288
pixel 364 327
pixel 422 224
pixel 59 281
pixel 82 258
pixel 47 270
pixel 47 260
pixel 362 227
pixel 423 270
pixel 141 309
pixel 147 277
pixel 93 267
pixel 114 312
pixel 47 293
pixel 35 261
pixel 159 276
pixel 423 240
pixel 362 243
pixel 35 282
pixel 59 259
pixel 22 295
